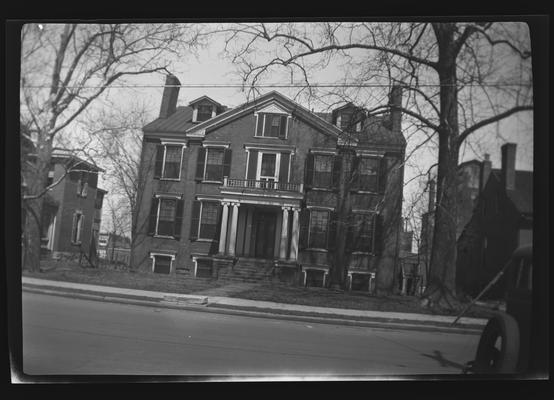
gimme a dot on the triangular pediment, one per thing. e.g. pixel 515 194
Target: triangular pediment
pixel 273 108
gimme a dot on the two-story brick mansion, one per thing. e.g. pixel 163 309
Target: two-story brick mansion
pixel 252 192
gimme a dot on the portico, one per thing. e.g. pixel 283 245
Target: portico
pixel 259 229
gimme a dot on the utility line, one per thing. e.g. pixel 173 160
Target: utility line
pixel 280 85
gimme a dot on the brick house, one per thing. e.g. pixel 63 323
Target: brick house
pixel 72 210
pixel 500 222
pixel 250 193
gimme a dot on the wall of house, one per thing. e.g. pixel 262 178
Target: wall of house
pixel 487 242
pixel 303 137
pixel 238 132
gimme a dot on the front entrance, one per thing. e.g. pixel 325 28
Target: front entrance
pixel 263 236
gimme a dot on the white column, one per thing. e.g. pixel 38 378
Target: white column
pixel 295 234
pixel 233 237
pixel 284 234
pixel 223 231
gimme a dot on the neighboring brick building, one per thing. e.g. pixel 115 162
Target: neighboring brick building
pixel 72 209
pixel 501 221
pixel 251 192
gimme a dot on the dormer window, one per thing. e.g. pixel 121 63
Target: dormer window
pixel 205 108
pixel 204 112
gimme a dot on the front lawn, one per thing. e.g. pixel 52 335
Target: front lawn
pixel 279 293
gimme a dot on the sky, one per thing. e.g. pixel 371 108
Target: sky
pixel 210 67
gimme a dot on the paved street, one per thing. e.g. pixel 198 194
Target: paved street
pixel 72 336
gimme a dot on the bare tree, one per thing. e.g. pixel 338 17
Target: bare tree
pixel 118 139
pixel 64 69
pixel 459 77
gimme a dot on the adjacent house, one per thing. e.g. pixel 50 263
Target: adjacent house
pixel 72 210
pixel 252 192
pixel 501 221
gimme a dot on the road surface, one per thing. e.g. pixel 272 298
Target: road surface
pixel 76 337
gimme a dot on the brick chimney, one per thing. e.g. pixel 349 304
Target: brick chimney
pixel 395 101
pixel 509 165
pixel 169 97
pixel 432 195
pixel 485 171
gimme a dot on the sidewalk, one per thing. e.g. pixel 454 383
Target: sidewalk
pixel 264 309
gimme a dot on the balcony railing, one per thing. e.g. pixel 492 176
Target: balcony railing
pixel 262 185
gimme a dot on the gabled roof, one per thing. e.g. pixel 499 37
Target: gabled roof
pixel 177 122
pixel 206 98
pixel 237 112
pixel 522 195
pixel 67 155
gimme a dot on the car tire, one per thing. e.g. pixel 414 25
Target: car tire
pixel 493 360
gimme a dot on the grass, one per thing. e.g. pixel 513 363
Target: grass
pixel 185 284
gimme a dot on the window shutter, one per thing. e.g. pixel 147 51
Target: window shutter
pixel 378 235
pixel 153 216
pixel 284 168
pixel 259 125
pixel 283 127
pixel 218 227
pixel 337 163
pixel 200 163
pixel 304 228
pixel 74 228
pixel 226 162
pixel 252 165
pixel 383 175
pixel 194 220
pixel 309 177
pixel 159 161
pixel 332 236
pixel 178 219
pixel 355 174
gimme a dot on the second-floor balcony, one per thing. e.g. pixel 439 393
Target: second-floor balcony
pixel 262 185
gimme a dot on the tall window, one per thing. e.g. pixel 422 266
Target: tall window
pixel 319 226
pixel 166 217
pixel 77 228
pixel 172 162
pixel 82 184
pixel 214 164
pixel 323 171
pixel 363 229
pixel 166 214
pixel 369 174
pixel 204 112
pixel 168 162
pixel 275 126
pixel 208 220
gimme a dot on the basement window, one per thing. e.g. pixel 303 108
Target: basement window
pixel 161 263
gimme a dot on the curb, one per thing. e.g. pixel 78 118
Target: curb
pixel 202 304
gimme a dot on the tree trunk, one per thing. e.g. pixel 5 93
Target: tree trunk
pixel 35 177
pixel 338 268
pixel 441 287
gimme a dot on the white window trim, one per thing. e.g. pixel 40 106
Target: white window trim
pixel 165 144
pixel 200 239
pixel 161 197
pixel 277 165
pixel 195 261
pixel 195 112
pixel 208 147
pixel 329 210
pixel 79 227
pixel 265 113
pixel 154 254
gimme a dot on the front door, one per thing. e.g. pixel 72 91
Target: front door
pixel 264 238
